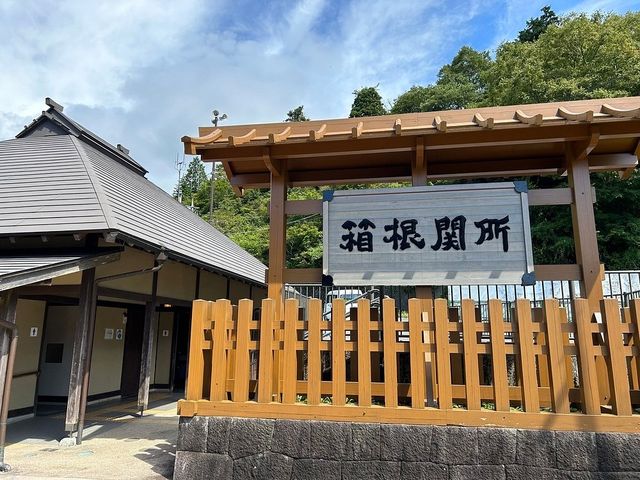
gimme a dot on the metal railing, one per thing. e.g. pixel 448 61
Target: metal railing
pixel 622 285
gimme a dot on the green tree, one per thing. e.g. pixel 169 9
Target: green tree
pixel 192 181
pixel 297 115
pixel 368 103
pixel 537 26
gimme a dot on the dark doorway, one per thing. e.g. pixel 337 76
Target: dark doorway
pixel 132 351
pixel 182 329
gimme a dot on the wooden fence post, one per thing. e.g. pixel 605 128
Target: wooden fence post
pixel 314 370
pixel 265 360
pixel 416 354
pixel 470 339
pixel 201 315
pixel 364 353
pixel 241 374
pixel 221 315
pixel 557 361
pixel 498 356
pixel 390 361
pixel 338 362
pixel 586 357
pixel 530 399
pixel 617 364
pixel 443 356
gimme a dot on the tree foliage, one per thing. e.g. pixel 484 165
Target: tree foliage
pixel 297 115
pixel 367 103
pixel 537 26
pixel 193 180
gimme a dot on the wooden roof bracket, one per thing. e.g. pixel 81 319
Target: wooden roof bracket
pixel 279 137
pixel 574 116
pixel 627 172
pixel 397 126
pixel 191 142
pixel 487 123
pixel 357 130
pixel 239 191
pixel 234 141
pixel 441 125
pixel 274 165
pixel 578 150
pixel 535 120
pixel 620 113
pixel 315 135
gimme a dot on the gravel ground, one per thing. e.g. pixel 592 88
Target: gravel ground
pixel 117 444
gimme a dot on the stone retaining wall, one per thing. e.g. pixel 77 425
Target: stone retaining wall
pixel 241 448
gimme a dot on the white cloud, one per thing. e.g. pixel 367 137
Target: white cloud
pixel 145 73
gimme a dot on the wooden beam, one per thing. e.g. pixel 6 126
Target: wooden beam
pixel 628 172
pixel 302 207
pixel 279 137
pixel 235 141
pixel 550 196
pixel 148 339
pixel 303 275
pixel 80 341
pixel 357 130
pixel 557 272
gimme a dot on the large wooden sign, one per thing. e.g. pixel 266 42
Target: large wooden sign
pixel 440 235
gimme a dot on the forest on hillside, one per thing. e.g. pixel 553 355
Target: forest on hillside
pixel 554 58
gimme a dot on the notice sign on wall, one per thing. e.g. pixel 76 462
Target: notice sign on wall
pixel 440 235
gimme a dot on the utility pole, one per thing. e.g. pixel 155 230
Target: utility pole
pixel 178 166
pixel 215 118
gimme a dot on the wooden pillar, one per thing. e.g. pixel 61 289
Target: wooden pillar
pixel 80 344
pixel 277 233
pixel 147 346
pixel 277 254
pixel 8 308
pixel 584 224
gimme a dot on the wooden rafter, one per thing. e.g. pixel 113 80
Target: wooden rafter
pixel 528 119
pixel 619 112
pixel 440 124
pixel 627 172
pixel 234 141
pixel 279 137
pixel 315 135
pixel 479 120
pixel 586 116
pixel 357 130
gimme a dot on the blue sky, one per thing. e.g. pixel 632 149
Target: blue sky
pixel 143 73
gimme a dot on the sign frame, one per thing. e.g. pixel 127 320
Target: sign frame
pixel 520 187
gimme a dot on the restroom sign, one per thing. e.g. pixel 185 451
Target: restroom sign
pixel 440 235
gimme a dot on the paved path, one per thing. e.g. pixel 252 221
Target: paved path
pixel 117 444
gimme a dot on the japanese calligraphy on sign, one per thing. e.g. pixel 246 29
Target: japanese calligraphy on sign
pixel 441 235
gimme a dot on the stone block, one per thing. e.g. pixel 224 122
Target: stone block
pixel 262 466
pixel 454 445
pixel 617 476
pixel 291 438
pixel 315 469
pixel 365 438
pixel 331 440
pixel 536 448
pixel 197 465
pixel 519 472
pixel 410 443
pixel 192 434
pixel 496 446
pixel 370 470
pixel 249 436
pixel 424 471
pixel 474 472
pixel 218 434
pixel 618 452
pixel 576 451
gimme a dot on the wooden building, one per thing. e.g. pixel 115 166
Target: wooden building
pixel 98 269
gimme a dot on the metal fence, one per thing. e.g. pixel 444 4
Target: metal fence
pixel 620 284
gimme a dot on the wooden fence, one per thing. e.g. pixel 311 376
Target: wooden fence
pixel 440 366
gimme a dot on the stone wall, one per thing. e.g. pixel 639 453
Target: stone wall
pixel 240 448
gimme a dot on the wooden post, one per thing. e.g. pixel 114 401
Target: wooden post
pixel 277 252
pixel 8 308
pixel 80 341
pixel 584 224
pixel 147 346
